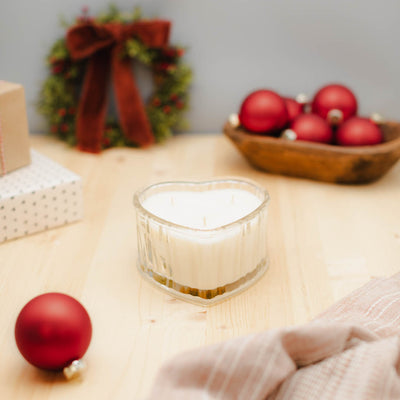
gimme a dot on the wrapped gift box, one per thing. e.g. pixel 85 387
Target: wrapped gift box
pixel 38 197
pixel 14 138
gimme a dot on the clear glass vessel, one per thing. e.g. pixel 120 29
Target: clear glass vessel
pixel 203 265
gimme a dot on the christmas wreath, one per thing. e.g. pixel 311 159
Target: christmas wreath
pixel 74 96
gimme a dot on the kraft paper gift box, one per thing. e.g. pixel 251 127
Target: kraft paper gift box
pixel 38 197
pixel 14 136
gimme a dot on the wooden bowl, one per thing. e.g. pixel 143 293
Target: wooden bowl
pixel 322 162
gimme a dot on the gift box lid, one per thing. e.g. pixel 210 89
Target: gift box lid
pixel 38 197
pixel 42 174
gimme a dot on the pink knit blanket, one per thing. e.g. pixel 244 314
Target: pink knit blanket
pixel 351 351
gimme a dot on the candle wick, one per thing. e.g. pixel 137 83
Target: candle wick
pixel 204 221
pixel 172 201
pixel 233 199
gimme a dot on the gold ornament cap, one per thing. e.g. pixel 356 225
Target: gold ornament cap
pixel 289 134
pixel 302 98
pixel 377 118
pixel 75 369
pixel 335 116
pixel 234 120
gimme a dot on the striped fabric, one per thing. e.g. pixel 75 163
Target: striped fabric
pixel 351 351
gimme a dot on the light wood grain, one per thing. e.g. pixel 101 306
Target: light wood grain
pixel 324 241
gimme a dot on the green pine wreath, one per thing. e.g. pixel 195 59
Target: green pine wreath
pixel 59 95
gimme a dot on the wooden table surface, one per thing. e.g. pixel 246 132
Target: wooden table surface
pixel 324 241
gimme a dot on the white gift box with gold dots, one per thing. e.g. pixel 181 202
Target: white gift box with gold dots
pixel 38 197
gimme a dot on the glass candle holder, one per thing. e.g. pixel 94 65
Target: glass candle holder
pixel 202 241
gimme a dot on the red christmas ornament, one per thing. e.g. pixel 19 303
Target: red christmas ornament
pixel 358 132
pixel 263 111
pixel 294 108
pixel 52 331
pixel 336 103
pixel 309 127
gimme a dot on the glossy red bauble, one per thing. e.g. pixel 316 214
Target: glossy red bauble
pixel 263 111
pixel 294 108
pixel 336 103
pixel 313 128
pixel 358 132
pixel 52 330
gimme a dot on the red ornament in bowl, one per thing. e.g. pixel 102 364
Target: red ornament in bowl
pixel 358 131
pixel 336 103
pixel 52 331
pixel 294 108
pixel 309 127
pixel 263 111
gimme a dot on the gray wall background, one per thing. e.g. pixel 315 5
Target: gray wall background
pixel 234 47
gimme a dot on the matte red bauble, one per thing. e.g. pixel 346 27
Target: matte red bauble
pixel 53 330
pixel 311 127
pixel 263 111
pixel 336 103
pixel 294 109
pixel 358 132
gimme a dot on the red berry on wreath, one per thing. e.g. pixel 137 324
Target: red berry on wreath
pixel 294 108
pixel 358 131
pixel 309 127
pixel 170 52
pixel 171 68
pixel 263 111
pixel 106 141
pixel 156 102
pixel 64 128
pixel 57 68
pixel 336 103
pixel 52 331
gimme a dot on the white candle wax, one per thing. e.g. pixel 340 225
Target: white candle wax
pixel 202 210
pixel 213 239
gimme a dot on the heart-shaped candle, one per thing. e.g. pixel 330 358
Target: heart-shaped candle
pixel 202 241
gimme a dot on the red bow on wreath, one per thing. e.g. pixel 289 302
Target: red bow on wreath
pixel 104 45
